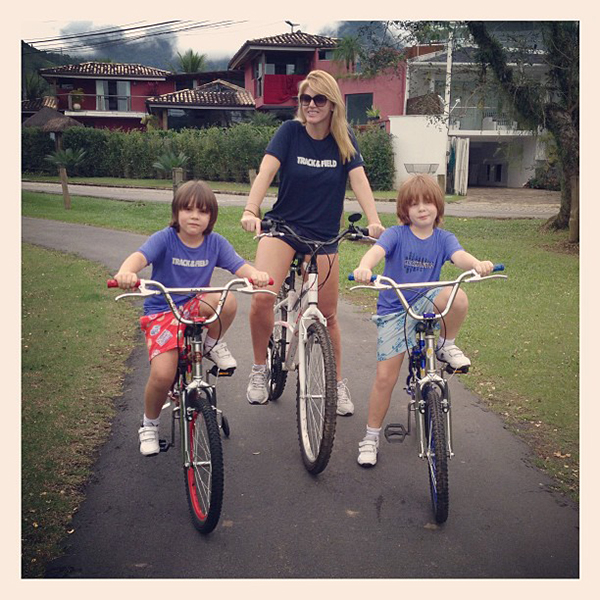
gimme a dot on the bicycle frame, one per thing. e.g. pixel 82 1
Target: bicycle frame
pixel 302 309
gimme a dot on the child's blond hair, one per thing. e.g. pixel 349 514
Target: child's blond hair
pixel 194 194
pixel 419 186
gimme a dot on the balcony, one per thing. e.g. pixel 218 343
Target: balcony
pixel 483 120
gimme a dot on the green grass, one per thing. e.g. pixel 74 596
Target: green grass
pixel 522 333
pixel 75 340
pixel 217 186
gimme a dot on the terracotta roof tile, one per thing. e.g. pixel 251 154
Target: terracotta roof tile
pixel 216 93
pixel 106 70
pixel 39 103
pixel 298 39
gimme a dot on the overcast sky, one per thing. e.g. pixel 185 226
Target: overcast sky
pixel 213 42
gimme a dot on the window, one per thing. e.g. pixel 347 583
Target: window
pixel 356 107
pixel 113 95
pixel 325 54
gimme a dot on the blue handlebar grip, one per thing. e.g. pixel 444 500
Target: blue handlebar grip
pixel 499 267
pixel 351 277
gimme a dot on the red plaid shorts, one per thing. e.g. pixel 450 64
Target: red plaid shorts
pixel 163 331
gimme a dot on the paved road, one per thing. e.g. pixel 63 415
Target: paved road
pixel 477 204
pixel 278 521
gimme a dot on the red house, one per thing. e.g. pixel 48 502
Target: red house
pixel 111 95
pixel 274 66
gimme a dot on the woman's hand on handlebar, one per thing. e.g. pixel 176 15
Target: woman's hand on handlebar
pixel 250 222
pixel 126 280
pixel 375 230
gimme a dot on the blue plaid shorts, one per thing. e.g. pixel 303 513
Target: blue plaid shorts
pixel 394 330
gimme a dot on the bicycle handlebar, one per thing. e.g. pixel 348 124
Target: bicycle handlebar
pixel 144 286
pixel 386 283
pixel 274 227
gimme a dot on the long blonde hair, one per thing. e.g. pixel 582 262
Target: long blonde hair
pixel 323 83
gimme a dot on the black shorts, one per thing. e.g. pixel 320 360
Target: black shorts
pixel 299 246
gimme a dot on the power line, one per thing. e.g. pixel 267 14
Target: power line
pixel 185 26
pixel 86 33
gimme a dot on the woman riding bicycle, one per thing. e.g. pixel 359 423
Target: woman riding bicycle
pixel 315 154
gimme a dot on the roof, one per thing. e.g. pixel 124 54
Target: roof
pixel 33 106
pixel 104 69
pixel 50 120
pixel 297 41
pixel 468 55
pixel 216 94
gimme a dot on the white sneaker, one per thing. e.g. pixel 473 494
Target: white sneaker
pixel 454 356
pixel 257 392
pixel 221 356
pixel 367 452
pixel 149 440
pixel 345 408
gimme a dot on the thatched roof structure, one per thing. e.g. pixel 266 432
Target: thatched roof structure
pixel 50 121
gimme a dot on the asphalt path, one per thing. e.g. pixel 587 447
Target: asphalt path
pixel 507 208
pixel 279 522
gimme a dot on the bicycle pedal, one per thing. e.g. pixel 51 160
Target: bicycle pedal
pixel 164 445
pixel 221 372
pixel 395 433
pixel 452 371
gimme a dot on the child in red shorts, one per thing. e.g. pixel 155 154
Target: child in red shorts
pixel 184 254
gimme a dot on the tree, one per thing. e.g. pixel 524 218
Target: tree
pixel 190 62
pixel 348 50
pixel 552 104
pixel 34 86
pixel 66 159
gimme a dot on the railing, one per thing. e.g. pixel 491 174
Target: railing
pixel 99 102
pixel 481 119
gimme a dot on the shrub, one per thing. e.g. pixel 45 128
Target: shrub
pixel 94 142
pixel 35 146
pixel 376 148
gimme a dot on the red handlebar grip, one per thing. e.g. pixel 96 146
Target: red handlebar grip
pixel 271 280
pixel 112 283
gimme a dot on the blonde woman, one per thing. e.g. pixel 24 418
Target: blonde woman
pixel 315 154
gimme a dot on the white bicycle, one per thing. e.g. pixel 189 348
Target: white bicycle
pixel 300 342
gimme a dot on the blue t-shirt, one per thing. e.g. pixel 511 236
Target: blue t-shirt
pixel 409 259
pixel 312 179
pixel 176 265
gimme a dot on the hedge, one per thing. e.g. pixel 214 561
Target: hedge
pixel 215 153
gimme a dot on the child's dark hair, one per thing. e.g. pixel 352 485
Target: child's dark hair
pixel 419 186
pixel 194 194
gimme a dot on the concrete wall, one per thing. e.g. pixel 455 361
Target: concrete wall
pixel 417 140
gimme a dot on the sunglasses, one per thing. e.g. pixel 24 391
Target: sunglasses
pixel 320 100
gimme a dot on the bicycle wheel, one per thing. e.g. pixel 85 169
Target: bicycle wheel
pixel 204 477
pixel 437 453
pixel 276 349
pixel 316 410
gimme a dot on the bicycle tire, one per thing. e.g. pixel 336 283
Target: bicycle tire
pixel 437 452
pixel 316 413
pixel 204 478
pixel 276 349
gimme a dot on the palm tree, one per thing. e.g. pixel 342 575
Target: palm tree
pixel 34 86
pixel 348 50
pixel 190 62
pixel 66 159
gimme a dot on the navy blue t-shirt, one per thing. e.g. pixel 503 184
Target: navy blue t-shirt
pixel 312 179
